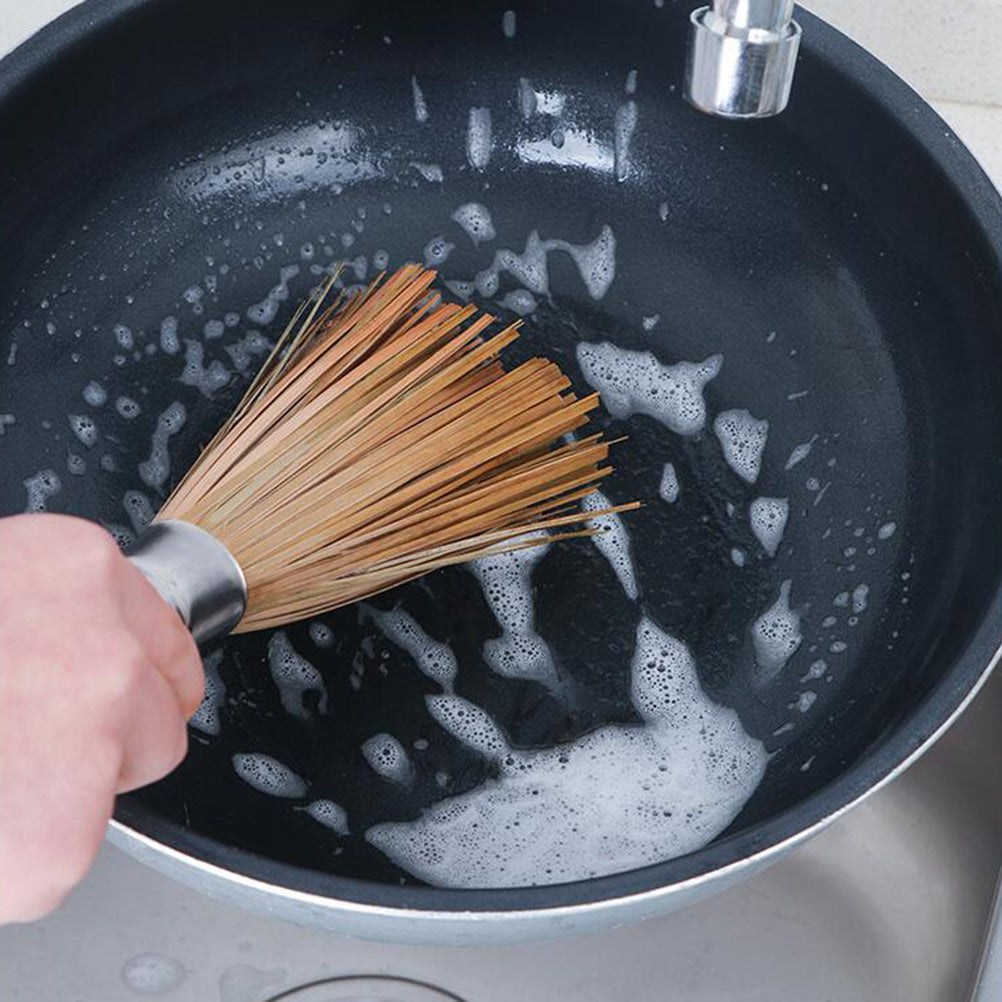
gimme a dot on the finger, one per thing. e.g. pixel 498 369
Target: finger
pixel 165 639
pixel 154 737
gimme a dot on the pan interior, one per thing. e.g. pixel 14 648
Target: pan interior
pixel 801 370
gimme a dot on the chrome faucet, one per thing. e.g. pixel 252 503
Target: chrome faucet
pixel 742 54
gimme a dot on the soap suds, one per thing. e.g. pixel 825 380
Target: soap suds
pixel 618 798
pixel 526 98
pixel 193 296
pixel 329 814
pixel 743 438
pixel 529 268
pixel 430 172
pixel 475 221
pixel 633 382
pixel 243 350
pixel 208 379
pixel 506 580
pixel 479 141
pixel 321 634
pixel 95 394
pixel 432 657
pixel 387 758
pixel 294 677
pixel 206 718
pixel 437 251
pixel 265 311
pixel 800 453
pixel 127 408
pixel 169 340
pixel 623 126
pixel 468 723
pixel 595 261
pixel 768 518
pixel 669 488
pixel 267 775
pixel 815 671
pixel 612 541
pixel 84 428
pixel 806 700
pixel 420 105
pixel 776 636
pixel 521 301
pixel 40 488
pixel 139 509
pixel 155 470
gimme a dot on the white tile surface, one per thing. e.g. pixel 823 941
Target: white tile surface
pixel 21 18
pixel 947 50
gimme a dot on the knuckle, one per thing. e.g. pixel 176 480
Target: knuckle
pixel 99 551
pixel 91 537
pixel 93 550
pixel 124 675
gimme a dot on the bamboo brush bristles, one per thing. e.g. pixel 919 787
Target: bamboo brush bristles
pixel 381 440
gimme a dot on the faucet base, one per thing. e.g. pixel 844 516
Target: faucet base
pixel 736 70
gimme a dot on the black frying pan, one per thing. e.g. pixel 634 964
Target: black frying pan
pixel 167 159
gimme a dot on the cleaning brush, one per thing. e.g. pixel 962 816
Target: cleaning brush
pixel 383 438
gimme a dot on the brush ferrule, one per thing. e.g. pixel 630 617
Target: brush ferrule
pixel 195 574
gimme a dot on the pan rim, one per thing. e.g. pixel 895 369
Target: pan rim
pixel 745 850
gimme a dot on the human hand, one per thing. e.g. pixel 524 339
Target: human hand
pixel 97 677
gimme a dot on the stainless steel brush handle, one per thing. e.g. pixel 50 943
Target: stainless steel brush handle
pixel 195 574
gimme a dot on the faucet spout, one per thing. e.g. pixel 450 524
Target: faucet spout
pixel 742 54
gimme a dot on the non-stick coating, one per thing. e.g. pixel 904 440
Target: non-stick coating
pixel 849 248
